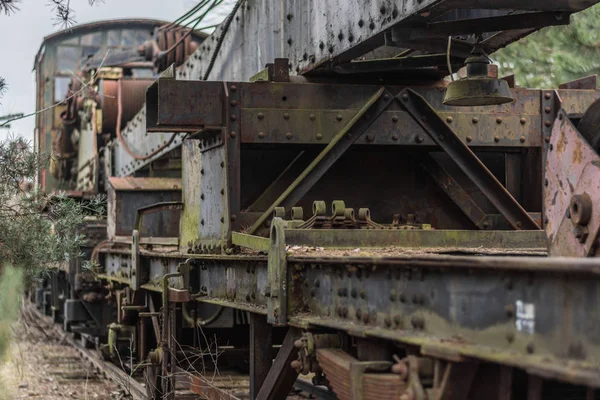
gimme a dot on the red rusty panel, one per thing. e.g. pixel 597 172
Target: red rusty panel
pixel 336 365
pixel 568 156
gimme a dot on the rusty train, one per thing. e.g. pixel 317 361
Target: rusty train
pixel 339 196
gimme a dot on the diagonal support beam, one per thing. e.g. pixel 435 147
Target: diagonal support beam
pixel 426 116
pixel 456 193
pixel 330 154
pixel 281 376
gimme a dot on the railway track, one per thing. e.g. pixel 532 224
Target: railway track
pixel 229 384
pixel 131 387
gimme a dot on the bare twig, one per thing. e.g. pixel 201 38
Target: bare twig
pixel 9 6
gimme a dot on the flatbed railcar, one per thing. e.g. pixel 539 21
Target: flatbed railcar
pixel 307 193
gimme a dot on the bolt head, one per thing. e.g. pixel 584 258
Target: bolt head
pixel 288 135
pixel 261 135
pixel 523 121
pixel 366 317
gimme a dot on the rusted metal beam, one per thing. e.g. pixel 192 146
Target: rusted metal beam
pixel 261 345
pixel 178 106
pixel 417 238
pixel 281 377
pixel 250 241
pixel 396 64
pixel 466 160
pixel 498 23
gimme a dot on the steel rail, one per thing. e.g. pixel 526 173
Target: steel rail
pixel 112 372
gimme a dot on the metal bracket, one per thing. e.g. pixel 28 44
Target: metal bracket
pixel 210 139
pixel 136 262
pixel 277 272
pixel 250 241
pixel 184 269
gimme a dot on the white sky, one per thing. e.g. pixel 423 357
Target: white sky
pixel 21 35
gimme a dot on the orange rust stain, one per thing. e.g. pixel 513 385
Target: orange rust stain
pixel 577 154
pixel 562 141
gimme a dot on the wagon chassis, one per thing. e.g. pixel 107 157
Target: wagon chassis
pixel 479 303
pixel 344 223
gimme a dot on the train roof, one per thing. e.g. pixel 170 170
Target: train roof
pixel 98 25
